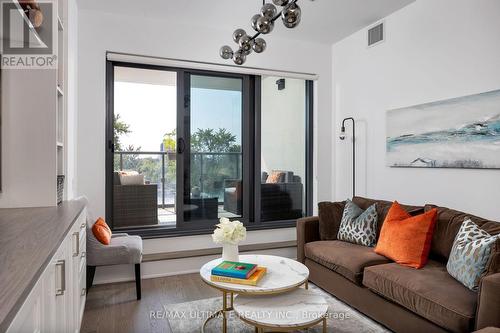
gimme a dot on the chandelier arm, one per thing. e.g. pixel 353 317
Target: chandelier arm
pixel 239 56
pixel 272 20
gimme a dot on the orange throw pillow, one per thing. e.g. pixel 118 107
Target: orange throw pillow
pixel 406 239
pixel 101 231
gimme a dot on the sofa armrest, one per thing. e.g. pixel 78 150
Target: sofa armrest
pixel 307 231
pixel 489 302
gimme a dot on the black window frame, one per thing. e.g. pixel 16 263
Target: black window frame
pixel 250 149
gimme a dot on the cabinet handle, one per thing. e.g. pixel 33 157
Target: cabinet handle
pixel 77 236
pixel 84 254
pixel 84 291
pixel 62 277
pixel 82 226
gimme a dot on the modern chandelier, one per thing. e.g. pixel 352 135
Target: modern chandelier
pixel 262 23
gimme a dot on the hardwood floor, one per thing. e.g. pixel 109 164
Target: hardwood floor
pixel 114 308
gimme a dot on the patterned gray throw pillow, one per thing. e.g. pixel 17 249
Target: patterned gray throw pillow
pixel 469 254
pixel 358 226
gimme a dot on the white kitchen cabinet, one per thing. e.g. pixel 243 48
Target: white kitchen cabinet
pixel 29 317
pixel 56 303
pixel 78 270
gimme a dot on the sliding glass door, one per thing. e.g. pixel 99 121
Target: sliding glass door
pixel 213 147
pixel 187 147
pixel 283 148
pixel 177 148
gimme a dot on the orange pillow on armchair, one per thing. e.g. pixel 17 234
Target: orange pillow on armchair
pixel 406 239
pixel 101 231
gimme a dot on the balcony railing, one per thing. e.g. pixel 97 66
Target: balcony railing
pixel 207 171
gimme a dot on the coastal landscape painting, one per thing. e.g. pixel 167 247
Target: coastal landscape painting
pixel 461 132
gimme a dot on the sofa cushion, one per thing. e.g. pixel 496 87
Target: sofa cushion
pixel 448 223
pixel 406 239
pixel 429 292
pixel 344 258
pixel 123 249
pixel 126 179
pixel 358 226
pixel 101 231
pixel 330 215
pixel 287 176
pixel 276 177
pixel 383 208
pixel 470 254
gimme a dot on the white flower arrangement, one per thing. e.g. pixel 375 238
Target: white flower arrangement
pixel 229 232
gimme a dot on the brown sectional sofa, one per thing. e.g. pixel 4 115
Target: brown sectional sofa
pixel 401 298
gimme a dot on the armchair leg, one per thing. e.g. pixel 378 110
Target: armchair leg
pixel 90 276
pixel 138 280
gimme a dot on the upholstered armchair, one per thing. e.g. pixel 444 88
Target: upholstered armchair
pixel 124 249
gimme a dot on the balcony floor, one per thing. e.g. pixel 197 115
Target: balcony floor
pixel 167 217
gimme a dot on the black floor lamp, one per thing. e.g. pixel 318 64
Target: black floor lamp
pixel 342 137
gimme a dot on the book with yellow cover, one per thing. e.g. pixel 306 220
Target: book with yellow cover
pixel 253 280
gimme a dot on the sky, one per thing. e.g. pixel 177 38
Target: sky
pixel 150 110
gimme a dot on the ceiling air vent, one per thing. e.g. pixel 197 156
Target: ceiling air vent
pixel 376 34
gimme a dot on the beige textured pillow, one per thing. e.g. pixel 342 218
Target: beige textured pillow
pixel 127 179
pixel 275 177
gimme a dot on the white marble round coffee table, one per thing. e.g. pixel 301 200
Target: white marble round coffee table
pixel 295 310
pixel 282 275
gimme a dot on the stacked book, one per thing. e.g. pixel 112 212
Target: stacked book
pixel 238 272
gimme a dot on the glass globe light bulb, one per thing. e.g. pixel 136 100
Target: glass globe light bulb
pixel 259 45
pixel 237 34
pixel 264 25
pixel 253 21
pixel 291 15
pixel 239 57
pixel 268 11
pixel 226 52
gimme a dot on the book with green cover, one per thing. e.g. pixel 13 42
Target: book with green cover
pixel 239 270
pixel 253 280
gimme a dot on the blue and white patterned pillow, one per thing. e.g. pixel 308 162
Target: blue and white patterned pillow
pixel 358 226
pixel 470 253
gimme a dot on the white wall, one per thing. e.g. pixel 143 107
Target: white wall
pixel 283 123
pixel 434 50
